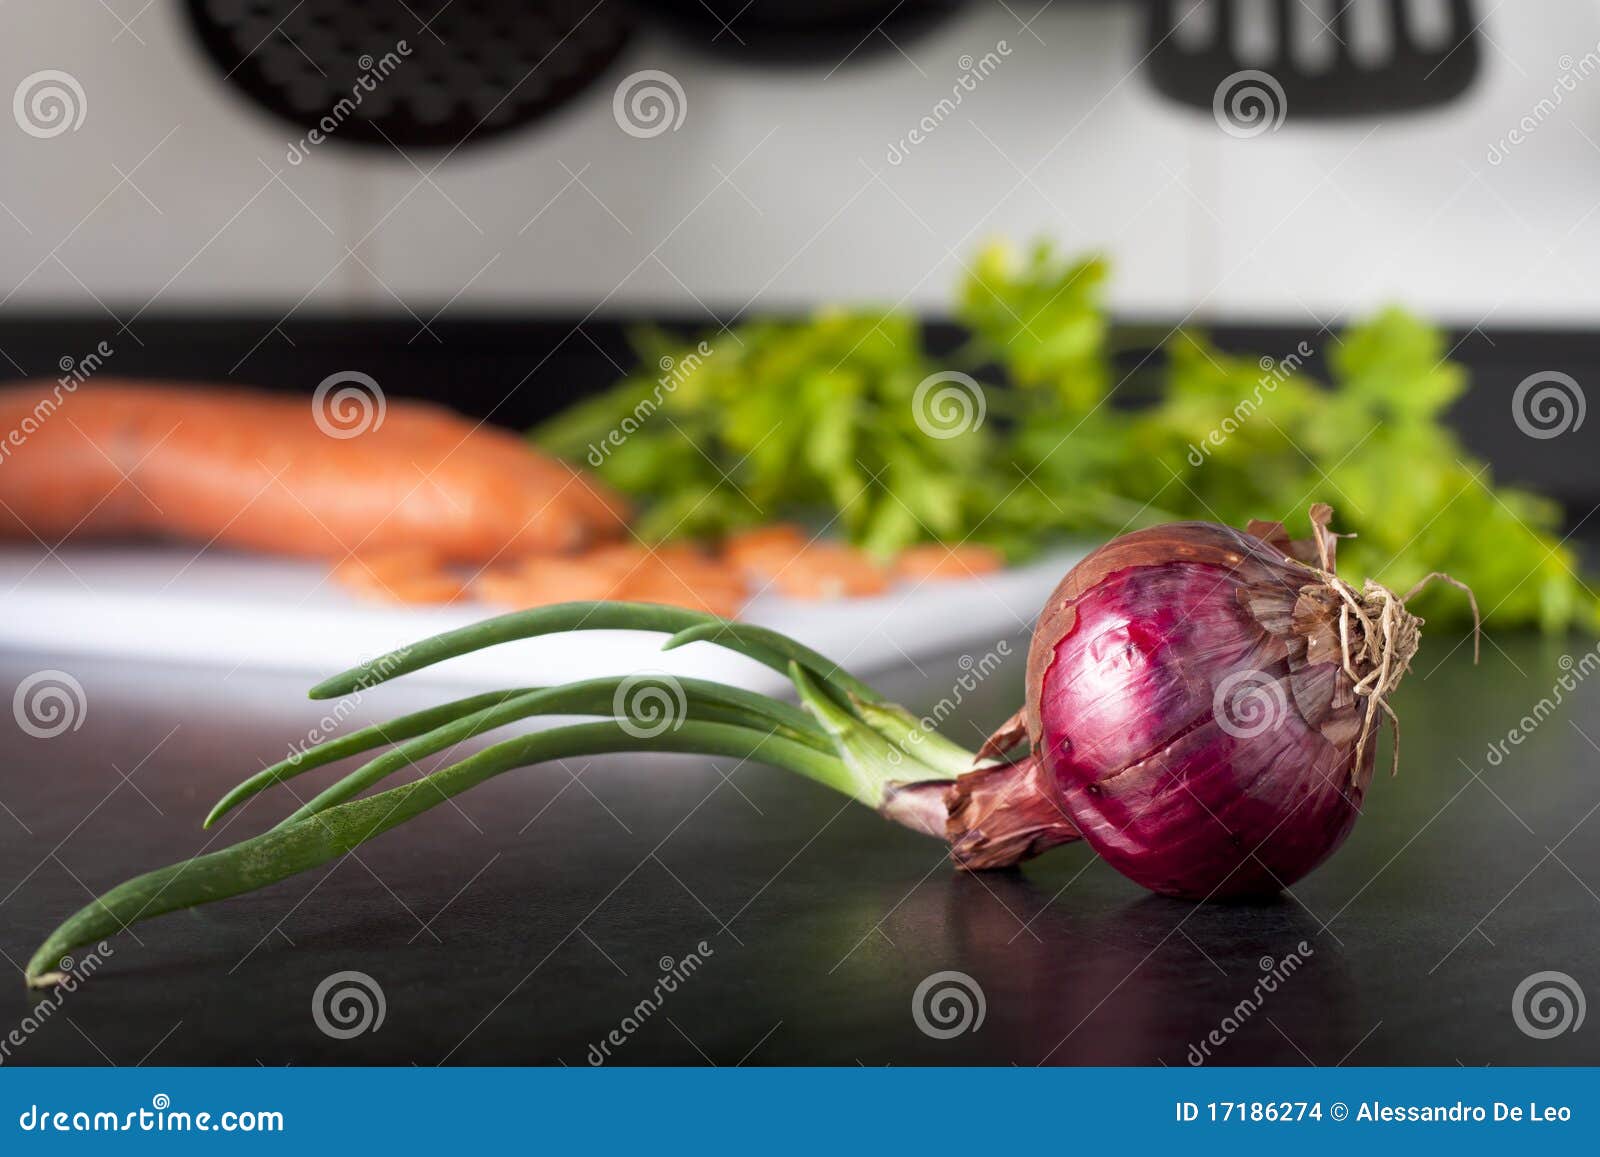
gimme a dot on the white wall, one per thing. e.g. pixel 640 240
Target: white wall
pixel 1065 139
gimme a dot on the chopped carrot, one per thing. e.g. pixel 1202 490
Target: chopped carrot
pixel 676 575
pixel 684 576
pixel 366 569
pixel 435 587
pixel 936 561
pixel 401 575
pixel 671 590
pixel 828 570
pixel 541 582
pixel 761 540
pixel 763 552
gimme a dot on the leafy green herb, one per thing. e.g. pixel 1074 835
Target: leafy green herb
pixel 821 420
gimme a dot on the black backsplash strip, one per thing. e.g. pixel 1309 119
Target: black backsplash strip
pixel 519 371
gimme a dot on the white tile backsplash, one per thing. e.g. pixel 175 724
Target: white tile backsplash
pixel 778 190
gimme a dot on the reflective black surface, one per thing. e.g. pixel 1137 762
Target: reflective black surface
pixel 530 921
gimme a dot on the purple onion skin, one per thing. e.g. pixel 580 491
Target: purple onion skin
pixel 1126 722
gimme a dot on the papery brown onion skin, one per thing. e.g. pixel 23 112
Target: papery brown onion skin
pixel 1186 792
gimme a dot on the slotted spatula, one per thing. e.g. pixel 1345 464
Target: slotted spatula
pixel 1334 58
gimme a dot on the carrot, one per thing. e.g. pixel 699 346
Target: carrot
pixel 936 561
pixel 827 570
pixel 406 575
pixel 253 470
pixel 675 575
pixel 539 582
pixel 430 587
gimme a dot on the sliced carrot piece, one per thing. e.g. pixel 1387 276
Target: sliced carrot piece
pixel 830 570
pixel 936 561
pixel 669 590
pixel 437 587
pixel 542 581
pixel 763 539
pixel 683 576
pixel 765 551
pixel 364 570
pixel 402 575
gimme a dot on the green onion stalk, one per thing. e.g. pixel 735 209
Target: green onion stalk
pixel 846 737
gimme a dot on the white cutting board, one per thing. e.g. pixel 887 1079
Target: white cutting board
pixel 233 611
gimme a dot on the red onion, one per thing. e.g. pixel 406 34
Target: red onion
pixel 1202 704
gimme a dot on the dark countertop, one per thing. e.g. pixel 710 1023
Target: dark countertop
pixel 529 921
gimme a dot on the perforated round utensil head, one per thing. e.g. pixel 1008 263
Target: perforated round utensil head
pixel 417 73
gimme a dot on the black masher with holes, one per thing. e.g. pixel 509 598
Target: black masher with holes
pixel 473 68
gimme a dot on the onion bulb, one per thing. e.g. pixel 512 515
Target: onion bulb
pixel 1203 707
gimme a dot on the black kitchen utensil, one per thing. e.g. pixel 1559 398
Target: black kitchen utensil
pixel 1304 59
pixel 470 69
pixel 821 32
